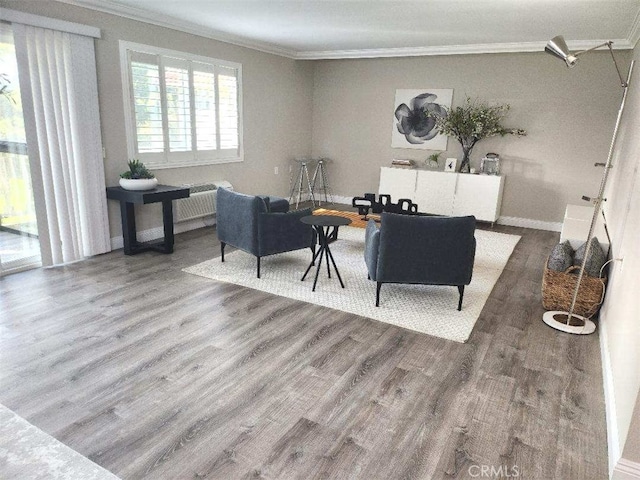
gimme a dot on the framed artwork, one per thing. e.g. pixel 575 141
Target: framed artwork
pixel 450 165
pixel 412 127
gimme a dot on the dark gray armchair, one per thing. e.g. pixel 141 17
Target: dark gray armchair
pixel 421 250
pixel 250 223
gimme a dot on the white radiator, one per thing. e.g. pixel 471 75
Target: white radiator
pixel 201 202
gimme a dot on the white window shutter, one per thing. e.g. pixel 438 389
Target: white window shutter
pixel 204 86
pixel 177 94
pixel 184 109
pixel 147 102
pixel 228 101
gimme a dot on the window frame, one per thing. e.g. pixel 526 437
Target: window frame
pixel 177 159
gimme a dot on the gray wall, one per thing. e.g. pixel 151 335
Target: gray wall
pixel 568 115
pixel 277 104
pixel 632 443
pixel 620 315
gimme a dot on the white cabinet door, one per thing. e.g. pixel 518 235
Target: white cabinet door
pixel 397 182
pixel 435 192
pixel 444 193
pixel 479 195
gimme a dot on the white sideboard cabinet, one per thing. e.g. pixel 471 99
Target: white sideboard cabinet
pixel 445 193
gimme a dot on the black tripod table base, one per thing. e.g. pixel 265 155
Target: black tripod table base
pixel 326 227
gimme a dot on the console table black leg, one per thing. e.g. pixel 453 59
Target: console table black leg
pixel 128 217
pixel 167 220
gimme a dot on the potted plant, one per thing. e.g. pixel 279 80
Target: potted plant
pixel 472 122
pixel 138 177
pixel 433 159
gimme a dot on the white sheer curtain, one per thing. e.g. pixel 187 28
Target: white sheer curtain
pixel 58 83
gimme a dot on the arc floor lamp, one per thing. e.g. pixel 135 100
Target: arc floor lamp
pixel 569 321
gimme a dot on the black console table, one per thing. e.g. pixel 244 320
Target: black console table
pixel 162 193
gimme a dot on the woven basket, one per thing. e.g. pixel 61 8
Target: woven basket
pixel 557 291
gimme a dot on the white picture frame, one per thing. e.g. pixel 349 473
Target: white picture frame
pixel 450 165
pixel 409 133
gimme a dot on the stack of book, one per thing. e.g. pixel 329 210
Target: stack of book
pixel 400 162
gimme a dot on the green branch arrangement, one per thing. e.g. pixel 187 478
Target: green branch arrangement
pixel 472 122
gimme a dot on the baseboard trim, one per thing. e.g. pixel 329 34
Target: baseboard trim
pixel 626 470
pixel 342 200
pixel 158 232
pixel 613 442
pixel 530 223
pixel 510 221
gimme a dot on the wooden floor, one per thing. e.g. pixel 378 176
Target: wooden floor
pixel 157 374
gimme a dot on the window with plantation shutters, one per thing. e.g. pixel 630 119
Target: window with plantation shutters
pixel 182 109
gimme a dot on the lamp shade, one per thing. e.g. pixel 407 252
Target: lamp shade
pixel 558 48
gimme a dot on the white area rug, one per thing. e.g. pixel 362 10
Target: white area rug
pixel 28 452
pixel 423 308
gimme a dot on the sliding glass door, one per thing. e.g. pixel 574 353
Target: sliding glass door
pixel 19 245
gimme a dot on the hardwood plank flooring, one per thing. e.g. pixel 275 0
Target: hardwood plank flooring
pixel 157 374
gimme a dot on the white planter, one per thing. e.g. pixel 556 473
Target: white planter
pixel 138 183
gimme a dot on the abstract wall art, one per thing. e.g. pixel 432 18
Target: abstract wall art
pixel 412 127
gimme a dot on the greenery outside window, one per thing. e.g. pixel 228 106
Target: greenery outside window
pixel 181 109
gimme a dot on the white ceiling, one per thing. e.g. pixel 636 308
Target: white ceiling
pixel 366 28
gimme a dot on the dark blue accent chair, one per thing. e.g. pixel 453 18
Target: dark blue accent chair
pixel 260 225
pixel 428 250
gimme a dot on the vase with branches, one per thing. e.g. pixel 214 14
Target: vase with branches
pixel 472 122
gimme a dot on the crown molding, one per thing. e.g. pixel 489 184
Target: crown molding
pixel 161 20
pixel 142 15
pixel 620 44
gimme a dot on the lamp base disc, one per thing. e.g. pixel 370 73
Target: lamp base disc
pixel 578 325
